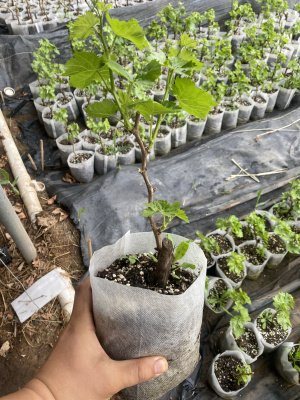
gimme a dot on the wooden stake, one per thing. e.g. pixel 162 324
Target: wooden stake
pixel 42 154
pixel 275 130
pixel 32 162
pixel 243 170
pixel 89 242
pixel 2 98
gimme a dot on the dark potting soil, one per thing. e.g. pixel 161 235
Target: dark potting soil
pixel 267 223
pixel 226 371
pixel 141 274
pixel 109 135
pixel 195 119
pixel 65 142
pixel 251 255
pixel 218 289
pixel 231 107
pixel 210 260
pixel 64 100
pixel 270 91
pixel 276 244
pixel 49 115
pixel 222 263
pixel 178 124
pixel 215 112
pixel 284 216
pixel 244 103
pixel 247 235
pixel 293 352
pixel 80 158
pixel 124 143
pixel 224 244
pixel 162 133
pixel 89 139
pixel 259 99
pixel 81 93
pixel 274 333
pixel 159 88
pixel 295 228
pixel 248 343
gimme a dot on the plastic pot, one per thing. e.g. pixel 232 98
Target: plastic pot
pixel 268 348
pixel 80 100
pixel 34 88
pixel 66 149
pixel 84 171
pixel 132 322
pixel 212 379
pixel 211 282
pixel 70 107
pixel 195 129
pixel 292 221
pixel 284 98
pixel 104 163
pixel 236 41
pixel 47 25
pixel 162 145
pixel 63 87
pixel 214 123
pixel 283 366
pixel 138 154
pixel 222 233
pixel 53 128
pixel 228 342
pixel 178 135
pixel 274 259
pixel 19 29
pixel 272 99
pixel 86 145
pixel 128 158
pixel 259 109
pixel 253 271
pixel 39 108
pixel 159 94
pixel 230 118
pixel 245 110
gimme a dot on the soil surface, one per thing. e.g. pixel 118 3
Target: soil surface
pixel 222 263
pixel 214 297
pixel 89 139
pixel 259 99
pixel 273 333
pixel 126 144
pixel 226 371
pixel 80 158
pixel 178 124
pixel 162 133
pixel 140 273
pixel 247 235
pixel 244 103
pixel 224 244
pixel 57 242
pixel 251 255
pixel 65 100
pixel 276 244
pixel 65 142
pixel 248 343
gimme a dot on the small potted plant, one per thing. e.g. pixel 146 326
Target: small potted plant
pixel 287 362
pixel 218 295
pixel 208 245
pixel 232 268
pixel 274 325
pixel 288 209
pixel 177 123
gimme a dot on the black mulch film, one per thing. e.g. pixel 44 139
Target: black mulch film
pixel 194 174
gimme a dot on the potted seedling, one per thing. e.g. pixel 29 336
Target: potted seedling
pixel 157 32
pixel 208 245
pixel 242 335
pixel 258 75
pixel 125 299
pixel 287 362
pixel 274 325
pixel 228 374
pixel 217 296
pixel 231 226
pixel 254 250
pixel 177 123
pixel 288 209
pixel 289 236
pixel 289 85
pixel 173 17
pixel 68 142
pixel 84 96
pixel 232 268
pixel 46 99
pixel 195 127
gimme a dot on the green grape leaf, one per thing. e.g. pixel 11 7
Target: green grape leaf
pixel 83 26
pixel 187 265
pixel 180 251
pixel 166 209
pixel 187 41
pixel 195 101
pixel 102 109
pixel 130 30
pixel 101 6
pixel 150 107
pixel 118 69
pixel 149 75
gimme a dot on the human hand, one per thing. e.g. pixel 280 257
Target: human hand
pixel 78 368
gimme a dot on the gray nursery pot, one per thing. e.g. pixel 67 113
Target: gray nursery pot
pixel 284 98
pixel 272 99
pixel 159 94
pixel 283 366
pixel 138 154
pixel 236 41
pixel 253 271
pixel 212 379
pixel 178 135
pixel 228 342
pixel 195 129
pixel 35 27
pixel 211 282
pixel 133 322
pixel 53 128
pixel 230 118
pixel 275 259
pixel 128 158
pixel 80 100
pixel 245 111
pixel 259 109
pixel 65 150
pixel 230 238
pixel 214 123
pixel 162 145
pixel 221 274
pixel 86 145
pixel 39 108
pixel 34 88
pixel 104 163
pixel 63 86
pixel 47 25
pixel 70 107
pixel 84 171
pixel 268 348
pixel 19 29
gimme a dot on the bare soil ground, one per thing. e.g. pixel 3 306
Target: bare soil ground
pixel 58 245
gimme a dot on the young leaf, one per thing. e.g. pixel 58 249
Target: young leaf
pixel 187 265
pixel 80 212
pixel 84 68
pixel 180 251
pixel 5 174
pixel 187 41
pixel 171 240
pixel 150 107
pixel 101 6
pixel 149 75
pixel 166 209
pixel 102 109
pixel 129 30
pixel 118 69
pixel 193 100
pixel 83 26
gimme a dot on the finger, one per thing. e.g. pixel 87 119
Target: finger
pixel 82 315
pixel 132 372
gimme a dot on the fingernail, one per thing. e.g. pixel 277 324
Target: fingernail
pixel 161 366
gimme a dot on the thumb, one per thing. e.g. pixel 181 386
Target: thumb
pixel 131 372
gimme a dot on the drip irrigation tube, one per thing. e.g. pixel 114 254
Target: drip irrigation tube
pixel 14 227
pixel 27 192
